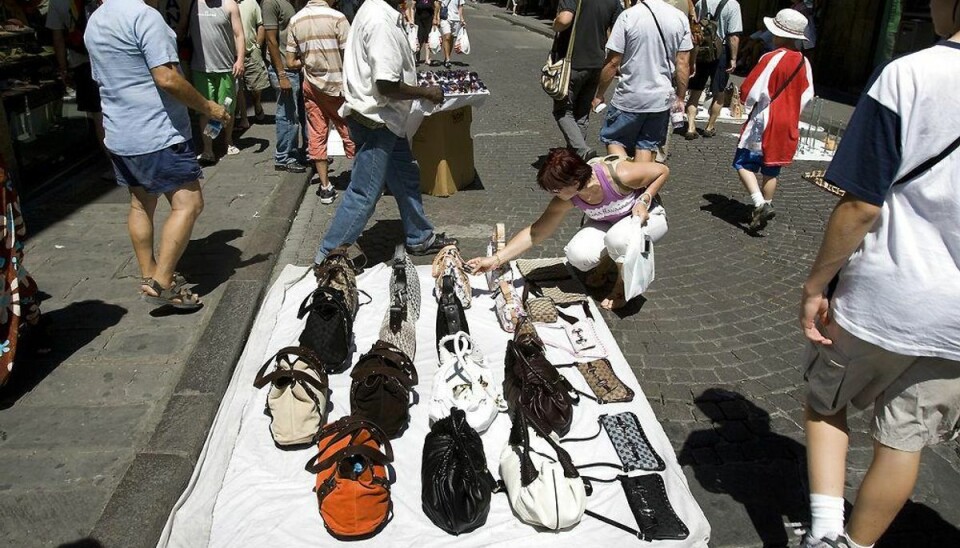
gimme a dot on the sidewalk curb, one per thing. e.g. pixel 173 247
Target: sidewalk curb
pixel 138 508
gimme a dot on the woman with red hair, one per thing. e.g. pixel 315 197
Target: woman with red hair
pixel 609 193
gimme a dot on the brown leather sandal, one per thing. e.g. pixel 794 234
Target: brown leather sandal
pixel 176 296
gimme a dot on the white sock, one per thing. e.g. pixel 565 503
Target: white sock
pixel 855 545
pixel 757 198
pixel 826 516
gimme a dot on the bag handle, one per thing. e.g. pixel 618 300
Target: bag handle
pixel 573 34
pixel 929 164
pixel 780 90
pixel 349 425
pixel 396 356
pixel 325 294
pixel 639 534
pixel 301 353
pixel 569 469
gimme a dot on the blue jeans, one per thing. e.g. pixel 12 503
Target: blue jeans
pixel 382 159
pixel 290 124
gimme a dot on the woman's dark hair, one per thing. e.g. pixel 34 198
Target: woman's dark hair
pixel 563 169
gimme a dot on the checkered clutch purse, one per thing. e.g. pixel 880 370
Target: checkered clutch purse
pixel 631 443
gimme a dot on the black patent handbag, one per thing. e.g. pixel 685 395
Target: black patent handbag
pixel 456 486
pixel 451 318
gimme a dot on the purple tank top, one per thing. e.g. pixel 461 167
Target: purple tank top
pixel 613 207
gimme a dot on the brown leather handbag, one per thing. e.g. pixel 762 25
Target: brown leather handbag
pixel 382 381
pixel 532 384
pixel 353 488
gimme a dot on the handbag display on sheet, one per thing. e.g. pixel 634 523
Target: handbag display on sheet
pixel 544 491
pixel 456 486
pixel 353 487
pixel 466 382
pixel 297 401
pixel 555 74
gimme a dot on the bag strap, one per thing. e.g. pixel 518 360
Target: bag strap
pixel 349 426
pixel 569 469
pixel 617 524
pixel 929 164
pixel 666 52
pixel 715 16
pixel 398 287
pixel 327 295
pixel 401 369
pixel 573 34
pixel 361 450
pixel 781 89
pixel 303 354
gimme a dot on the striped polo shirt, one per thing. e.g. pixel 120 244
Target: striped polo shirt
pixel 318 33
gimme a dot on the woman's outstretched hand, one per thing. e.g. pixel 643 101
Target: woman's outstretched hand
pixel 482 264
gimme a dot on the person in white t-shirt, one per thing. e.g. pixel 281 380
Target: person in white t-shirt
pixel 448 15
pixel 886 330
pixel 650 47
pixel 379 86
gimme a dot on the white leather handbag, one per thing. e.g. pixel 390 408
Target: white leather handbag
pixel 297 401
pixel 543 491
pixel 464 381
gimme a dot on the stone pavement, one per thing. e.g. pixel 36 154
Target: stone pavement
pixel 99 433
pixel 715 342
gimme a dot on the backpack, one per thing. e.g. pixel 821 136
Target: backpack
pixel 424 4
pixel 353 487
pixel 711 44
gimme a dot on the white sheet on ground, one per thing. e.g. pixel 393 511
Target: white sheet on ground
pixel 247 492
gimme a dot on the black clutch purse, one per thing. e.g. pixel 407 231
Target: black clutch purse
pixel 656 519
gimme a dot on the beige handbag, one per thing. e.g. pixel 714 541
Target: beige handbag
pixel 555 75
pixel 297 401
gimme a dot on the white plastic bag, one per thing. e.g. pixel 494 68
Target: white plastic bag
pixel 638 265
pixel 462 44
pixel 433 40
pixel 412 38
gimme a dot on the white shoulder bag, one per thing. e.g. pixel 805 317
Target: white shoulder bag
pixel 543 491
pixel 297 401
pixel 464 381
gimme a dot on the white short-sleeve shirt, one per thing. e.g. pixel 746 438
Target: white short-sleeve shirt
pixel 377 49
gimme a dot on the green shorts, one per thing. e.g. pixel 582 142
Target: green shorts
pixel 215 86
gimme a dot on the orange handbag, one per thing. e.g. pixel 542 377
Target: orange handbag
pixel 353 489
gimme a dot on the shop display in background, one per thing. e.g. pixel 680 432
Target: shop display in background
pixel 47 134
pixel 453 82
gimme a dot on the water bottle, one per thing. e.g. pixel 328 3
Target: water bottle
pixel 214 127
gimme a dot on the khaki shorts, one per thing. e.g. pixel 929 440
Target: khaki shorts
pixel 916 400
pixel 255 71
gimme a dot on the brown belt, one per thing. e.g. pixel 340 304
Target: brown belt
pixel 365 122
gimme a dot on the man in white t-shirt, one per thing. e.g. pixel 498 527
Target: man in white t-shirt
pixel 448 15
pixel 379 86
pixel 889 333
pixel 650 46
pixel 725 16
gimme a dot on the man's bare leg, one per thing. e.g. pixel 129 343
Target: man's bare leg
pixel 257 104
pixel 140 226
pixel 207 152
pixel 322 168
pixel 769 187
pixel 693 103
pixel 885 489
pixel 715 106
pixel 186 204
pixel 827 442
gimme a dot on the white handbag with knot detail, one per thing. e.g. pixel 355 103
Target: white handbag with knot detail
pixel 543 491
pixel 464 381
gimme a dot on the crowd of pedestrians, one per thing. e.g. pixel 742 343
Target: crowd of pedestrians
pixel 879 306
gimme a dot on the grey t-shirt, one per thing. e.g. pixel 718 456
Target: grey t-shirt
pixel 648 62
pixel 730 21
pixel 276 16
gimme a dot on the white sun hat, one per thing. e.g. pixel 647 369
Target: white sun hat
pixel 787 24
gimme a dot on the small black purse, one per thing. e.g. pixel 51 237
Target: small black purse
pixel 329 327
pixel 451 318
pixel 456 485
pixel 656 518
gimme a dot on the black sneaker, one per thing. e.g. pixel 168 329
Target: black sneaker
pixel 838 542
pixel 292 167
pixel 327 195
pixel 439 242
pixel 761 215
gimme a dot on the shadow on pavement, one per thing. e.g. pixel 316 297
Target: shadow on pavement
pixel 919 525
pixel 60 334
pixel 378 241
pixel 244 143
pixel 731 211
pixel 211 261
pixel 741 457
pixel 82 543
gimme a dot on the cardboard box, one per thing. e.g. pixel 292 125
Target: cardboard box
pixel 444 149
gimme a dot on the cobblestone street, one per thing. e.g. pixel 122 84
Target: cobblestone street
pixel 716 343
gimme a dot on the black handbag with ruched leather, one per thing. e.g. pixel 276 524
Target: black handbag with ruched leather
pixel 533 384
pixel 456 485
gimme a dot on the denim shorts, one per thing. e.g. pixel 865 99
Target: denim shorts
pixel 159 172
pixel 634 130
pixel 753 161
